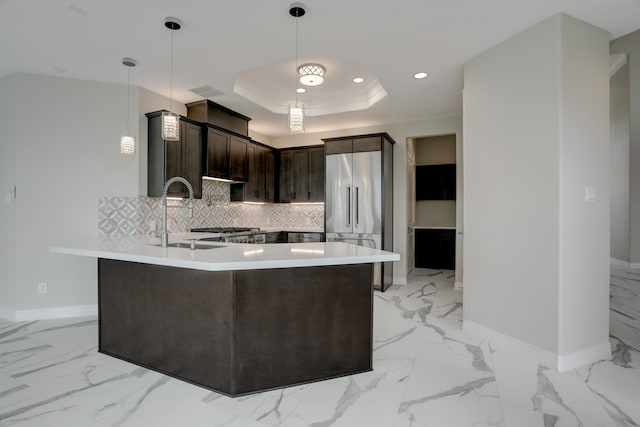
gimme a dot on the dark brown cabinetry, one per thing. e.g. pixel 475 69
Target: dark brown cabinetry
pixel 270 176
pixel 167 159
pixel 227 155
pixel 301 175
pixel 260 183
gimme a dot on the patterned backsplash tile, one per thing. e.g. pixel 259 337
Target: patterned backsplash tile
pixel 130 216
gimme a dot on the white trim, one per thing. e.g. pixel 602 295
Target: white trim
pixel 7 313
pixel 477 331
pixel 55 312
pixel 562 363
pixel 620 262
pixel 584 357
pixel 634 265
pixel 399 280
pixel 457 286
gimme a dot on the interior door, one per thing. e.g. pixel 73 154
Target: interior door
pixel 339 190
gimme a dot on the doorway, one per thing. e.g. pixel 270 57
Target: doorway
pixel 434 208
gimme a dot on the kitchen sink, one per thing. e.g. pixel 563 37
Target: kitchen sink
pixel 197 246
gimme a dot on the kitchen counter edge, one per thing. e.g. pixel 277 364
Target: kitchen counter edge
pixel 227 256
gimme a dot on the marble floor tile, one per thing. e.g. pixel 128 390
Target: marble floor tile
pixel 426 372
pixel 616 383
pixel 534 395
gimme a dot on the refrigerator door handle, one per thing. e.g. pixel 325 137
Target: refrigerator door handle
pixel 348 206
pixel 357 203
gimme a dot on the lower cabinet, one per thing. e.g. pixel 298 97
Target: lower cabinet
pixel 435 248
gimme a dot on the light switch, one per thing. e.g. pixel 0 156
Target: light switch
pixel 590 194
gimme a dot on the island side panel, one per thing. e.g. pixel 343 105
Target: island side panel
pixel 173 320
pixel 299 325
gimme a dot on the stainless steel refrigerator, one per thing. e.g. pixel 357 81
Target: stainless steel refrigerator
pixel 359 196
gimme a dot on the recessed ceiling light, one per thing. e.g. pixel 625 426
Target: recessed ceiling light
pixel 358 79
pixel 301 90
pixel 420 75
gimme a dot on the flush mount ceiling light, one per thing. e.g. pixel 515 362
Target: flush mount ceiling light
pixel 301 90
pixel 420 75
pixel 170 120
pixel 358 79
pixel 128 143
pixel 296 113
pixel 311 74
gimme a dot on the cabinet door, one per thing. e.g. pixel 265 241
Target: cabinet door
pixel 173 167
pixel 285 181
pixel 316 175
pixel 435 249
pixel 238 159
pixel 270 176
pixel 192 150
pixel 217 153
pixel 252 193
pixel 300 176
pixel 259 175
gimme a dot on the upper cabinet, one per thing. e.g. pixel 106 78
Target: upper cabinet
pixel 259 186
pixel 167 159
pixel 226 140
pixel 206 111
pixel 227 155
pixel 301 175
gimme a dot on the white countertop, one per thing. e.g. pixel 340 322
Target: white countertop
pixel 226 256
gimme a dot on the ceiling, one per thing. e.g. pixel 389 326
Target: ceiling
pixel 390 40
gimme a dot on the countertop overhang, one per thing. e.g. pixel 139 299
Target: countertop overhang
pixel 225 257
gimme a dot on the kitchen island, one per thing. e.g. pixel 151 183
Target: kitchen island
pixel 236 319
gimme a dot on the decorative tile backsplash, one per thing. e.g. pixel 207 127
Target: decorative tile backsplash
pixel 130 216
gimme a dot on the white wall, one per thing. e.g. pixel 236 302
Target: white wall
pixel 584 161
pixel 7 205
pixel 536 132
pixel 511 179
pixel 67 135
pixel 630 44
pixel 619 152
pixel 400 132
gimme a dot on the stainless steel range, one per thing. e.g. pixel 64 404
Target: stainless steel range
pixel 233 234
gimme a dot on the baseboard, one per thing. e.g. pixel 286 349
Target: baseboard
pixel 457 286
pixel 584 357
pixel 635 265
pixel 399 280
pixel 55 312
pixel 560 363
pixel 620 262
pixel 477 331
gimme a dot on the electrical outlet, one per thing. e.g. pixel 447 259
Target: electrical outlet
pixel 42 288
pixel 590 194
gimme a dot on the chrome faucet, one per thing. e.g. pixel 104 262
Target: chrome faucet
pixel 164 237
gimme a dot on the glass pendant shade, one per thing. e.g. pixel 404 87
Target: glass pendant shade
pixel 127 145
pixel 296 119
pixel 311 74
pixel 170 126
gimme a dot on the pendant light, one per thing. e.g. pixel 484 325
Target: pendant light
pixel 296 113
pixel 170 120
pixel 128 143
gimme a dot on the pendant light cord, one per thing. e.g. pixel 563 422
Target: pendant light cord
pixel 171 76
pixel 296 73
pixel 128 96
